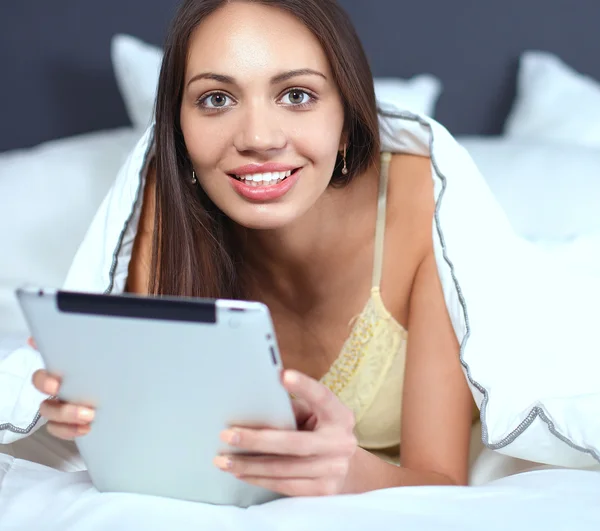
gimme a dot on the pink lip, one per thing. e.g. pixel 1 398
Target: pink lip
pixel 260 194
pixel 268 167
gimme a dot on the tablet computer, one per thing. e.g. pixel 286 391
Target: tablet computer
pixel 166 376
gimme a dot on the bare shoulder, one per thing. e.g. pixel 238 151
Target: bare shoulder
pixel 411 203
pixel 408 236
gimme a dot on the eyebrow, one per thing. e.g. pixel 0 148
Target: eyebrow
pixel 279 78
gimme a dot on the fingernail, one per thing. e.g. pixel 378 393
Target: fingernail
pixel 85 414
pixel 291 377
pixel 222 462
pixel 232 437
pixel 83 430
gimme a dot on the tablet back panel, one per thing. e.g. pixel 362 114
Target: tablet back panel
pixel 166 377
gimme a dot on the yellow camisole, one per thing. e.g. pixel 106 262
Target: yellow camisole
pixel 368 375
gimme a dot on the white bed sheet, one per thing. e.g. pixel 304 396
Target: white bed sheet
pixel 34 497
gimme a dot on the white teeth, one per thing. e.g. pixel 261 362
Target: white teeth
pixel 264 178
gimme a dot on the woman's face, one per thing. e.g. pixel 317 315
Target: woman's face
pixel 261 114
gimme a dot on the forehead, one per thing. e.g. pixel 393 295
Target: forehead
pixel 243 37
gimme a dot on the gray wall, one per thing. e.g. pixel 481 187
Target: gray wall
pixel 56 78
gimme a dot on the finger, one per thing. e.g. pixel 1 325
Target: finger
pixel 282 467
pixel 67 431
pixel 303 413
pixel 281 442
pixel 31 342
pixel 65 413
pixel 296 487
pixel 45 382
pixel 319 398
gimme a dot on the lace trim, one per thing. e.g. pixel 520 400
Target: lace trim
pixel 366 357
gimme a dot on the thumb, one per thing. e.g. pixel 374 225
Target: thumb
pixel 31 342
pixel 305 417
pixel 321 401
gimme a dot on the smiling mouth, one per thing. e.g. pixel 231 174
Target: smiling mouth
pixel 264 179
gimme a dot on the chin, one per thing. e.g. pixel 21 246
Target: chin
pixel 264 218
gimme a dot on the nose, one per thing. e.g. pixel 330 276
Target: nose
pixel 259 130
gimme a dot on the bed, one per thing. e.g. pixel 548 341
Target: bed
pixel 520 92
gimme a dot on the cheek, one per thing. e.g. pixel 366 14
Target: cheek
pixel 206 140
pixel 318 136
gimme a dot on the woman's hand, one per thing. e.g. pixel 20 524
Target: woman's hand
pixel 313 461
pixel 65 420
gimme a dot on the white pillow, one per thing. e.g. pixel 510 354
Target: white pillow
pixel 418 94
pixel 49 195
pixel 554 102
pixel 137 67
pixel 549 191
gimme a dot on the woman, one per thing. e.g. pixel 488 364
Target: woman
pixel 265 182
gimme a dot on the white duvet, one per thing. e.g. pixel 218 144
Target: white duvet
pixel 579 255
pixel 33 497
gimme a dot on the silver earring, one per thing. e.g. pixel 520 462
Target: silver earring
pixel 345 168
pixel 194 179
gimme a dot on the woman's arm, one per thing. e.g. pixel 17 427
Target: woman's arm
pixel 437 402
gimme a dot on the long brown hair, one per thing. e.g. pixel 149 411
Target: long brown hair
pixel 194 252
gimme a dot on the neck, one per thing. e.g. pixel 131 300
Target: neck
pixel 313 256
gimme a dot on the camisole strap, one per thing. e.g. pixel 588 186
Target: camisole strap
pixel 381 217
